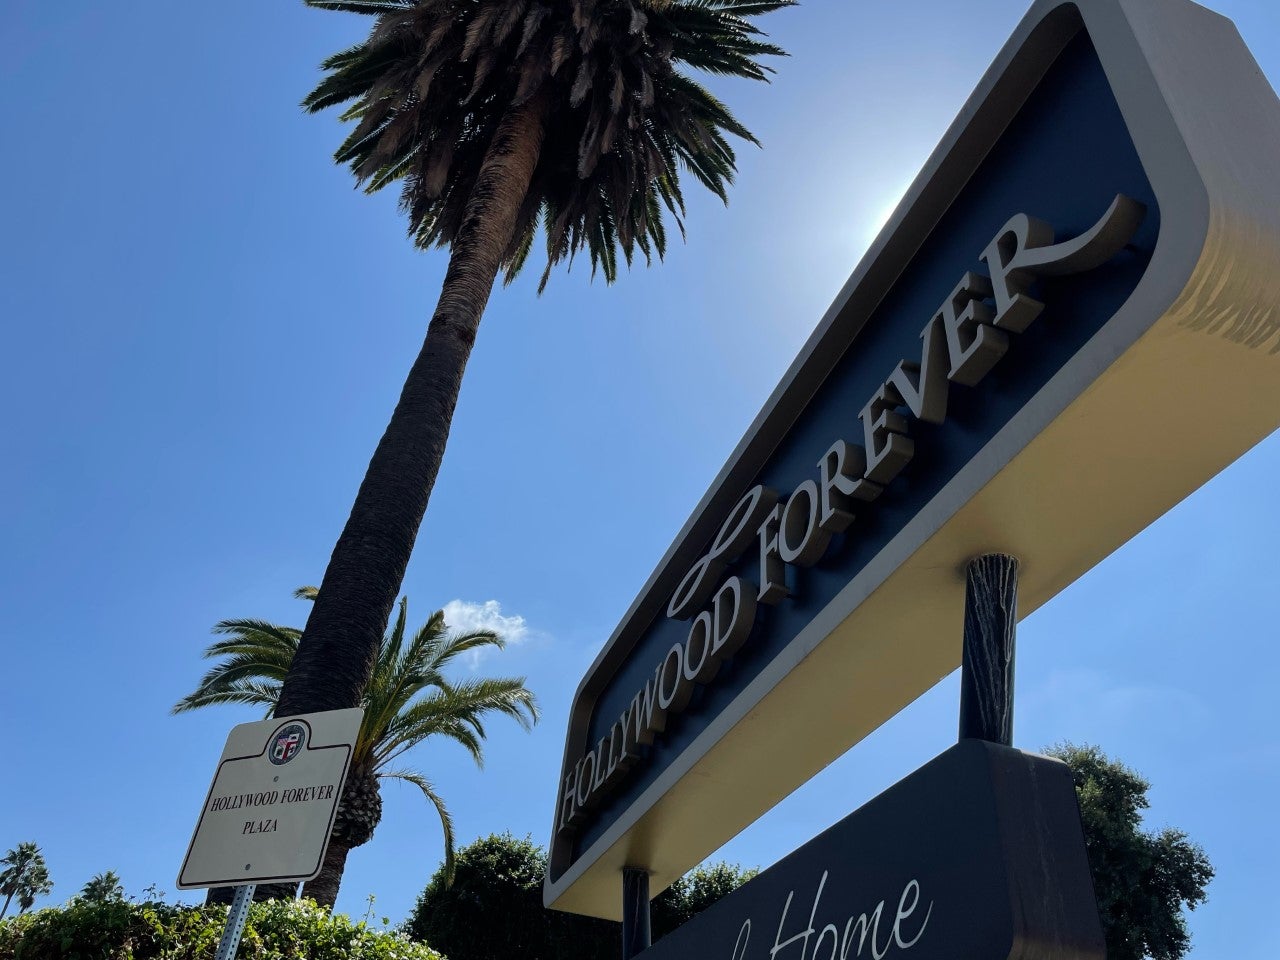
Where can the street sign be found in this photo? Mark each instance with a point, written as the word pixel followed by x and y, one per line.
pixel 1070 323
pixel 272 803
pixel 976 855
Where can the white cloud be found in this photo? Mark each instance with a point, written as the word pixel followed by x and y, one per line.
pixel 464 616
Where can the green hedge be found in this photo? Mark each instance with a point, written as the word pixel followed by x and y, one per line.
pixel 277 930
pixel 493 910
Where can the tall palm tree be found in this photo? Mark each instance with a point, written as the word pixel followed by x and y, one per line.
pixel 498 119
pixel 408 700
pixel 25 876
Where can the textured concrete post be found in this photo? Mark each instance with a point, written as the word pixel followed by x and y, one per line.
pixel 635 912
pixel 986 672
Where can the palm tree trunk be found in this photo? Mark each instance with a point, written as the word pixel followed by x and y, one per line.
pixel 219 896
pixel 275 891
pixel 324 888
pixel 340 642
pixel 7 900
pixel 264 891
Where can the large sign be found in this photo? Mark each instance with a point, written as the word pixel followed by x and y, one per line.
pixel 1070 323
pixel 272 802
pixel 978 855
pixel 961 343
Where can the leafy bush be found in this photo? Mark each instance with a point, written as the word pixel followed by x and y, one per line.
pixel 493 910
pixel 693 893
pixel 494 907
pixel 103 887
pixel 1142 879
pixel 119 930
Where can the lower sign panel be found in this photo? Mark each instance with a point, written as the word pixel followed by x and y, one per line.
pixel 979 854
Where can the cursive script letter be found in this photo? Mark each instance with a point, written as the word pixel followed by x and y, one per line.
pixel 905 911
pixel 805 934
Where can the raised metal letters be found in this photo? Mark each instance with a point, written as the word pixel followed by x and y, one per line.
pixel 961 343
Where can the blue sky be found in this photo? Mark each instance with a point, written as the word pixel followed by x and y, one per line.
pixel 206 328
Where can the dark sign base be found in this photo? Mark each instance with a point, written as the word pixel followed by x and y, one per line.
pixel 977 855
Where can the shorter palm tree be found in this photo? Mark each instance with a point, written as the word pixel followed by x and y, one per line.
pixel 103 888
pixel 408 700
pixel 24 876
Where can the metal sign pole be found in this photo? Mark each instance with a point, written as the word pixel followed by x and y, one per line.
pixel 236 918
pixel 986 672
pixel 635 912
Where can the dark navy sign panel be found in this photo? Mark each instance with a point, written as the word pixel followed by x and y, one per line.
pixel 1063 159
pixel 1111 182
pixel 978 855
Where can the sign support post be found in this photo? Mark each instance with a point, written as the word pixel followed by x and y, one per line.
pixel 237 914
pixel 270 810
pixel 636 935
pixel 986 671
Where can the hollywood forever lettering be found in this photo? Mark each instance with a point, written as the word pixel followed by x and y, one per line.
pixel 261 804
pixel 285 745
pixel 963 340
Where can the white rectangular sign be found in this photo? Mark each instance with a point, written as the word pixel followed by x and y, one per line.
pixel 272 802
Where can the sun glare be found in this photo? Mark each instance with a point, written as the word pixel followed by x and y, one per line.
pixel 877 222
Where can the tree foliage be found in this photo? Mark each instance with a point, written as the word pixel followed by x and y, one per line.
pixel 103 888
pixel 500 119
pixel 25 876
pixel 410 699
pixel 434 79
pixel 1142 879
pixel 277 930
pixel 494 908
pixel 693 893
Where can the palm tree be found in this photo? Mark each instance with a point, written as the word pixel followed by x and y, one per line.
pixel 103 888
pixel 24 876
pixel 408 700
pixel 498 119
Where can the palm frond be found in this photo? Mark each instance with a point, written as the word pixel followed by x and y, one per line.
pixel 429 86
pixel 409 700
pixel 456 644
pixel 374 7
pixel 405 736
pixel 446 820
pixel 254 693
pixel 472 698
pixel 258 631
